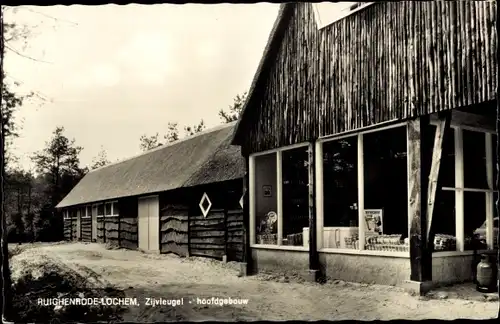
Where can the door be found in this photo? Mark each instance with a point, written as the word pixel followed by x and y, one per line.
pixel 94 223
pixel 148 223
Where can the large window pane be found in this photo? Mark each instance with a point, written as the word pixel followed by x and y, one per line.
pixel 444 222
pixel 266 208
pixel 100 210
pixel 386 189
pixel 475 220
pixel 447 168
pixel 107 209
pixel 340 187
pixel 474 145
pixel 295 195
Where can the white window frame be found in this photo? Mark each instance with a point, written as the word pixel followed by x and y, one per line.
pixel 361 194
pixel 85 214
pixel 460 188
pixel 279 199
pixel 66 214
pixel 113 214
pixel 327 13
pixel 97 210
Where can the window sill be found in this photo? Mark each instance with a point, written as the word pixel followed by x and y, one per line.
pixel 459 253
pixel 279 247
pixel 366 252
pixel 86 217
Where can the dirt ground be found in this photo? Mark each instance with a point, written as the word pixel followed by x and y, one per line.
pixel 269 297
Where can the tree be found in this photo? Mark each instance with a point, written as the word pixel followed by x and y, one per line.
pixel 191 130
pixel 59 164
pixel 100 160
pixel 172 133
pixel 149 142
pixel 234 111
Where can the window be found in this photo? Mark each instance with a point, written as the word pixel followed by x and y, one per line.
pixel 474 155
pixel 108 209
pixel 100 210
pixel 66 214
pixel 72 213
pixel 295 193
pixel 266 206
pixel 340 190
pixel 116 211
pixel 386 189
pixel 326 13
pixel 86 212
pixel 468 187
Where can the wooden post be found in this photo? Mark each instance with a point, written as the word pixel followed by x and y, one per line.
pixel 313 252
pixel 418 153
pixel 459 191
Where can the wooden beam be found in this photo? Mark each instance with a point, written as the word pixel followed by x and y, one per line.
pixel 418 153
pixel 313 251
pixel 443 126
pixel 467 119
pixel 361 193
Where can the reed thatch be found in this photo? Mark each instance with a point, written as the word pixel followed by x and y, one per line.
pixel 207 157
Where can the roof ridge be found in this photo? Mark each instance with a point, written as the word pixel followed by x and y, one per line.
pixel 184 139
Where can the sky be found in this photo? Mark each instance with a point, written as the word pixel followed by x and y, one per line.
pixel 112 73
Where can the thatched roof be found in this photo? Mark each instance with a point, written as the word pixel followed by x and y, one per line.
pixel 204 158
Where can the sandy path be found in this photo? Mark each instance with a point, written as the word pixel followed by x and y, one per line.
pixel 167 276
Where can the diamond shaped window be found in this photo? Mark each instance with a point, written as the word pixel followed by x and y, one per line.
pixel 205 204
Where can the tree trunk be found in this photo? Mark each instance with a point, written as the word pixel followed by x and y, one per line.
pixel 6 297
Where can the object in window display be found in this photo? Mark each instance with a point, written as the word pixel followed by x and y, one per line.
pixel 444 242
pixel 480 233
pixel 373 218
pixel 267 229
pixel 391 242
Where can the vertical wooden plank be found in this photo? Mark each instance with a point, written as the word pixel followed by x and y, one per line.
pixel 439 137
pixel 459 191
pixel 485 52
pixel 420 254
pixel 279 194
pixel 361 193
pixel 319 195
pixel 313 252
pixel 453 50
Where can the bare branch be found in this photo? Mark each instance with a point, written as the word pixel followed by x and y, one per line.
pixel 25 56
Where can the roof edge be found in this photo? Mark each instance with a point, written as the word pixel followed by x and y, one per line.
pixel 266 57
pixel 184 139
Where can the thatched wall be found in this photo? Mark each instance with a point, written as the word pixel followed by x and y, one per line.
pixel 174 223
pixel 101 233
pixel 68 226
pixel 86 229
pixel 186 232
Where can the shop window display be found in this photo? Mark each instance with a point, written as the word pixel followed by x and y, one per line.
pixel 295 193
pixel 266 217
pixel 386 190
pixel 340 189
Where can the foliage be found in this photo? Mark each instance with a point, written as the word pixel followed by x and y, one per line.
pixel 149 142
pixel 59 166
pixel 100 160
pixel 191 130
pixel 234 111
